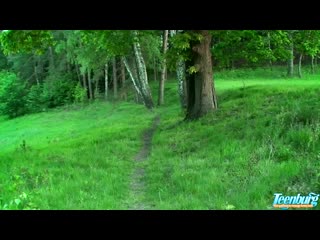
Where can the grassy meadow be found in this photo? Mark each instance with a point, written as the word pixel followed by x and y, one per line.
pixel 263 139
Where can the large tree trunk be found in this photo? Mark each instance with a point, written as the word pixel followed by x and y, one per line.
pixel 106 81
pixel 142 72
pixel 290 62
pixel 200 86
pixel 182 88
pixel 299 66
pixel 164 68
pixel 89 84
pixel 115 80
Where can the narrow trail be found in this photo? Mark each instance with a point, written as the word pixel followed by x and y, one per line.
pixel 137 179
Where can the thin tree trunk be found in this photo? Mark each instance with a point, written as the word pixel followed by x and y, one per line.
pixel 123 74
pixel 142 72
pixel 134 81
pixel 269 46
pixel 96 90
pixel 200 87
pixel 78 73
pixel 181 76
pixel 312 64
pixel 89 84
pixel 164 68
pixel 51 60
pixel 299 67
pixel 84 81
pixel 290 62
pixel 106 81
pixel 154 69
pixel 36 74
pixel 36 69
pixel 115 83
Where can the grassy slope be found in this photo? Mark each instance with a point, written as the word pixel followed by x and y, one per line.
pixel 74 159
pixel 262 140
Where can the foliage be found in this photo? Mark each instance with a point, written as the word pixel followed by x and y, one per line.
pixel 80 94
pixel 12 95
pixel 22 202
pixel 57 90
pixel 17 41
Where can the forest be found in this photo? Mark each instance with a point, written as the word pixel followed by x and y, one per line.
pixel 159 119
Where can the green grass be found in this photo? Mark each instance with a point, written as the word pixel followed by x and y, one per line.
pixel 263 139
pixel 74 158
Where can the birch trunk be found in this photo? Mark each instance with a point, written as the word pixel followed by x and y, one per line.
pixel 123 74
pixel 106 81
pixel 299 66
pixel 134 81
pixel 142 72
pixel 290 62
pixel 90 86
pixel 164 68
pixel 115 82
pixel 181 76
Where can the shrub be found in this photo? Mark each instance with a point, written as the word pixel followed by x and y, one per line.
pixel 56 90
pixel 79 94
pixel 12 95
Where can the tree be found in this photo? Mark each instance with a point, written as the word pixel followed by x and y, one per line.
pixel 200 87
pixel 164 68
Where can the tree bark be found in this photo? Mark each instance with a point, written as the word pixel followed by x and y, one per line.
pixel 133 79
pixel 164 68
pixel 36 69
pixel 115 82
pixel 51 60
pixel 200 87
pixel 78 73
pixel 290 62
pixel 106 81
pixel 155 69
pixel 96 90
pixel 299 67
pixel 123 74
pixel 142 72
pixel 89 84
pixel 36 74
pixel 181 76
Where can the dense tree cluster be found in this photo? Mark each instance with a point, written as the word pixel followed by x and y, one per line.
pixel 41 69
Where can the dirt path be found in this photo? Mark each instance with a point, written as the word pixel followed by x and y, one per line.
pixel 137 179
